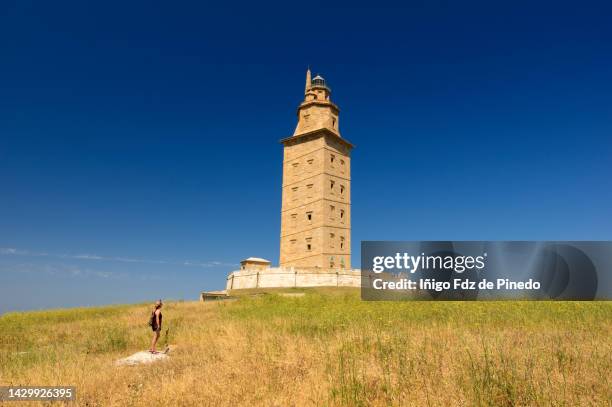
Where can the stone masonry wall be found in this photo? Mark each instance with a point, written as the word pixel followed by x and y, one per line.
pixel 293 277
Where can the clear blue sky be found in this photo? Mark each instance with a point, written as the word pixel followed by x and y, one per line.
pixel 139 153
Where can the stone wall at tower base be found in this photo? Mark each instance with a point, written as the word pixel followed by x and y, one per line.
pixel 288 277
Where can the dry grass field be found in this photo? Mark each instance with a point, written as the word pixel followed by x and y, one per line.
pixel 321 349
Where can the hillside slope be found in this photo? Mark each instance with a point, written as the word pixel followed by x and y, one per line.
pixel 321 349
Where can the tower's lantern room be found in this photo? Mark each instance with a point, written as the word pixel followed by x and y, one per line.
pixel 318 81
pixel 316 88
pixel 318 85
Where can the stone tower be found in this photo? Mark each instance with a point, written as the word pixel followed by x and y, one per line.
pixel 316 199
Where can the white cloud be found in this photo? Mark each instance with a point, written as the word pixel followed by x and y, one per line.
pixel 86 257
pixel 7 250
pixel 63 270
pixel 94 257
pixel 206 264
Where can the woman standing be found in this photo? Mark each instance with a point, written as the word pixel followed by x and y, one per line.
pixel 156 324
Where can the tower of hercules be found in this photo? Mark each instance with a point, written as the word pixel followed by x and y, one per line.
pixel 316 198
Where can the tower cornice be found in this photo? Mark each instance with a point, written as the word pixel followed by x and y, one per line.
pixel 322 132
pixel 325 103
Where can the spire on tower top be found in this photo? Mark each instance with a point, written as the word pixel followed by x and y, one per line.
pixel 308 80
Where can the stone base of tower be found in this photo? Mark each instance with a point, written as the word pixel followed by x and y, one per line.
pixel 292 277
pixel 330 261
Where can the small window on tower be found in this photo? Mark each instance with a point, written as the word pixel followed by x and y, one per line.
pixel 309 190
pixel 309 216
pixel 332 158
pixel 342 215
pixel 331 240
pixel 341 242
pixel 334 122
pixel 332 211
pixel 331 184
pixel 341 189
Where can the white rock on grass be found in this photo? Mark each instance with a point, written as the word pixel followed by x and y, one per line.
pixel 143 357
